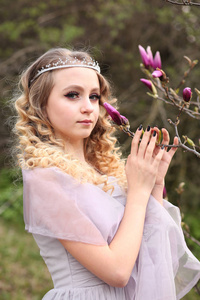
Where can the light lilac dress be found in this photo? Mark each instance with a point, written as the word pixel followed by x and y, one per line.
pixel 56 206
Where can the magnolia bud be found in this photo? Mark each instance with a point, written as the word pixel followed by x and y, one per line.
pixel 150 85
pixel 187 94
pixel 189 141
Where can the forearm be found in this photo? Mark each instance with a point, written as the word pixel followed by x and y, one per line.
pixel 157 192
pixel 126 243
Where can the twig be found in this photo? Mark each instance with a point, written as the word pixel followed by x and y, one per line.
pixel 182 145
pixel 197 289
pixel 189 236
pixel 130 133
pixel 193 114
pixel 5 206
pixel 172 101
pixel 186 73
pixel 184 2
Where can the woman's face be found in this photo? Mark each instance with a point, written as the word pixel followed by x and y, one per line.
pixel 73 104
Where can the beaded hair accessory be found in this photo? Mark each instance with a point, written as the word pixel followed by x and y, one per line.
pixel 69 63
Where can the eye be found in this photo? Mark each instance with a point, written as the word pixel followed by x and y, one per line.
pixel 72 95
pixel 95 97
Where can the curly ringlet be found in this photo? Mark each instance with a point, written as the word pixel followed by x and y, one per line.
pixel 37 145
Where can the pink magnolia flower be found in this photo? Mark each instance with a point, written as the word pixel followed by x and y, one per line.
pixel 187 94
pixel 115 115
pixel 147 58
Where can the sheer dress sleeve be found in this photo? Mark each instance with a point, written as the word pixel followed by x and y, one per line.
pixel 58 206
pixel 165 267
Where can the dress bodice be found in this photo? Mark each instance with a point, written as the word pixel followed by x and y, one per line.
pixel 70 279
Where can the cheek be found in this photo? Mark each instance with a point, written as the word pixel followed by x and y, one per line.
pixel 56 115
pixel 97 112
pixel 101 111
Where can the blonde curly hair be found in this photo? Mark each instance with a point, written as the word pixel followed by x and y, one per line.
pixel 37 145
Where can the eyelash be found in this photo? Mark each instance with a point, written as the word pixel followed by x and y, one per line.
pixel 71 95
pixel 76 94
pixel 98 97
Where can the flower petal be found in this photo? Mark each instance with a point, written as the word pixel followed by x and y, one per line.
pixel 157 61
pixel 115 115
pixel 147 82
pixel 144 56
pixel 150 56
pixel 124 120
pixel 157 74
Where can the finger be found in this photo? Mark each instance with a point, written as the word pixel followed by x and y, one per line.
pixel 158 133
pixel 136 140
pixel 166 138
pixel 158 157
pixel 150 151
pixel 173 150
pixel 144 142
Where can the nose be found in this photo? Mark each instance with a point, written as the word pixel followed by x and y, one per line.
pixel 86 106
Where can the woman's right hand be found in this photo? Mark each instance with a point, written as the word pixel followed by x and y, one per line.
pixel 142 163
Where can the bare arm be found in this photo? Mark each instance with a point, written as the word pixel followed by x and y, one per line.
pixel 114 263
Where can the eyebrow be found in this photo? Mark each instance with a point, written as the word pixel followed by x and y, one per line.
pixel 79 87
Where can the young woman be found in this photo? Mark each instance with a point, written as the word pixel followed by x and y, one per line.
pixel 102 227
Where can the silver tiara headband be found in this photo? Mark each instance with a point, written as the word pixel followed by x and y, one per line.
pixel 69 63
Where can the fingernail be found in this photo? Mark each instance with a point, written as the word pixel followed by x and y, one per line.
pixel 154 133
pixel 163 146
pixel 140 127
pixel 148 128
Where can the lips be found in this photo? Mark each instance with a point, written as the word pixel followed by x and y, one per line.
pixel 85 121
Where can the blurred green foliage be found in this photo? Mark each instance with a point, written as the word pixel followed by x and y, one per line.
pixel 23 273
pixel 11 204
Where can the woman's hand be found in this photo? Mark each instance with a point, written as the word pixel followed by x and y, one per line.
pixel 143 162
pixel 157 191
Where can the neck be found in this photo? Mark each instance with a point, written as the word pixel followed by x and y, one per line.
pixel 76 149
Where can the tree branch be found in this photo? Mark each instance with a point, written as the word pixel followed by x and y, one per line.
pixel 189 236
pixel 182 145
pixel 183 2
